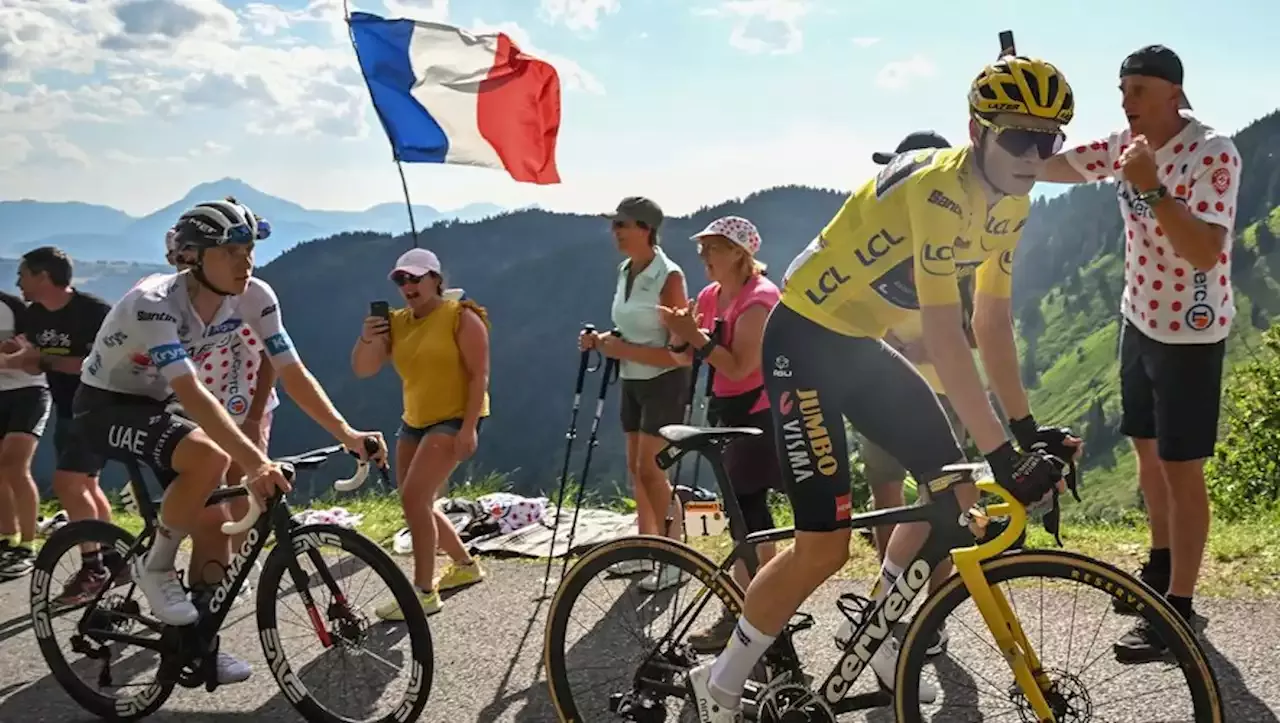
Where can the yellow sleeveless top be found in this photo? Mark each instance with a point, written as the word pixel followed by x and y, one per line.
pixel 426 356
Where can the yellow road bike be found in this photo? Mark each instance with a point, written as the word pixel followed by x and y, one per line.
pixel 596 676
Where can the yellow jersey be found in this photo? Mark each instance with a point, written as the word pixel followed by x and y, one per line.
pixel 425 354
pixel 904 240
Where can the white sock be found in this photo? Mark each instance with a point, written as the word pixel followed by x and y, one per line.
pixel 733 666
pixel 889 574
pixel 164 551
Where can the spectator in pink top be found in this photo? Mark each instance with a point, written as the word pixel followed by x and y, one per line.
pixel 741 297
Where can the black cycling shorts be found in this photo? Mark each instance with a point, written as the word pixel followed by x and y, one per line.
pixel 129 427
pixel 24 411
pixel 1170 393
pixel 74 454
pixel 814 377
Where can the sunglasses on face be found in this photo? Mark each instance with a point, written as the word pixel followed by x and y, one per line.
pixel 404 278
pixel 707 247
pixel 1016 140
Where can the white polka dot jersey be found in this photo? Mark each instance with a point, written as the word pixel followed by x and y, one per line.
pixel 1165 295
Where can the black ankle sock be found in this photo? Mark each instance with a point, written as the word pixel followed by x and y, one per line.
pixel 1181 604
pixel 1159 561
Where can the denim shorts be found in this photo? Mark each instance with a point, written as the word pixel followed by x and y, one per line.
pixel 447 426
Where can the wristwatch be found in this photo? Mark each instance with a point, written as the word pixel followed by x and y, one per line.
pixel 705 351
pixel 1155 194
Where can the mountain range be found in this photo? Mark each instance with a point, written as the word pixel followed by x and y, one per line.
pixel 100 233
pixel 541 275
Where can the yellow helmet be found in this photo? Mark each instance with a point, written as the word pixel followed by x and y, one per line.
pixel 1023 86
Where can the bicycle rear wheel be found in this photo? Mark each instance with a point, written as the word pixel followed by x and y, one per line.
pixel 343 628
pixel 121 690
pixel 1058 580
pixel 635 668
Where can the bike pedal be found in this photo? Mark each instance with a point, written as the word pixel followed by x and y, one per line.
pixel 799 622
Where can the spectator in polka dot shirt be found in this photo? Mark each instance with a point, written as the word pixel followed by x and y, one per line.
pixel 1176 180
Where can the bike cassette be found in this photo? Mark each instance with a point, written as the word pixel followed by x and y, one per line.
pixel 787 702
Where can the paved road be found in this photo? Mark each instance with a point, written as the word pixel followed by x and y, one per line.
pixel 488 660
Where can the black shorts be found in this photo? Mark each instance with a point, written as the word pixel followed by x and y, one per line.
pixel 818 376
pixel 1170 393
pixel 24 411
pixel 755 511
pixel 128 427
pixel 74 454
pixel 880 468
pixel 650 404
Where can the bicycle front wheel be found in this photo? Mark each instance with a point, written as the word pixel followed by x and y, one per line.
pixel 1062 603
pixel 365 669
pixel 622 629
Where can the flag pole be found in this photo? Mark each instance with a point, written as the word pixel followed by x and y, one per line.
pixel 404 184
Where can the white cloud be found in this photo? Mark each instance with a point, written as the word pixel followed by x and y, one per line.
pixel 763 26
pixel 62 149
pixel 900 73
pixel 436 11
pixel 573 77
pixel 163 23
pixel 14 150
pixel 577 14
pixel 865 42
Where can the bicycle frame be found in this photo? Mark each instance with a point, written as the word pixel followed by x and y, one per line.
pixel 950 535
pixel 274 517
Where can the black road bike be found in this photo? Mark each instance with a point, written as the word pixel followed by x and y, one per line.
pixel 1034 689
pixel 188 654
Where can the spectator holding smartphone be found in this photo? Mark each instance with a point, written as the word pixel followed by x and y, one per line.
pixel 440 349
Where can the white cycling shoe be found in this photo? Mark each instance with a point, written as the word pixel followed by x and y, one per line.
pixel 232 669
pixel 168 601
pixel 709 709
pixel 885 663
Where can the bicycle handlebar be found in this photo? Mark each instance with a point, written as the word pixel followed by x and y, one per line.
pixel 314 458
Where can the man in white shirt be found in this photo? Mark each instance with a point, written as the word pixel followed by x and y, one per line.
pixel 1177 181
pixel 24 411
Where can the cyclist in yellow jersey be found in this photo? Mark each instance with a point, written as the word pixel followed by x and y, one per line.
pixel 898 246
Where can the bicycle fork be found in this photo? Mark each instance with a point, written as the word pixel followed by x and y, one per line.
pixel 284 532
pixel 1004 624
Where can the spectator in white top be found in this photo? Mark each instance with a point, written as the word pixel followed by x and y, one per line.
pixel 1177 181
pixel 24 410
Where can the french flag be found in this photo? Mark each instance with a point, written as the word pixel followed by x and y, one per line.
pixel 445 95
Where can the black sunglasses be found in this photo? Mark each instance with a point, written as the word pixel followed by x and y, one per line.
pixel 1017 141
pixel 403 278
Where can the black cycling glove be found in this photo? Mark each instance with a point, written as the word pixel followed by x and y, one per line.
pixel 1050 440
pixel 1029 477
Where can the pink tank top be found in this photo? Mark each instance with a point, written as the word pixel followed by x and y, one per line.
pixel 757 291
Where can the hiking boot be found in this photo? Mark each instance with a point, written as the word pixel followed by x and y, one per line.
pixel 456 576
pixel 715 636
pixel 82 587
pixel 391 612
pixel 630 567
pixel 17 561
pixel 1142 645
pixel 662 578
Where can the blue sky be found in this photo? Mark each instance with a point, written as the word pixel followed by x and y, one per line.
pixel 688 101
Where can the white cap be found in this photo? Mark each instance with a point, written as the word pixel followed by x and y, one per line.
pixel 416 262
pixel 735 228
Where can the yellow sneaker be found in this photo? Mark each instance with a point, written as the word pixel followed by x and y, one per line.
pixel 456 575
pixel 391 611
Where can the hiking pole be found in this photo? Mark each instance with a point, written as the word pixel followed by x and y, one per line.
pixel 584 361
pixel 610 369
pixel 675 476
pixel 706 396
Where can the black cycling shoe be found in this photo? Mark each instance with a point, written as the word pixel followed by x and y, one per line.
pixel 1141 645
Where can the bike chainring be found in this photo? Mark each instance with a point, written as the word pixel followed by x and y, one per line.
pixel 787 702
pixel 1067 697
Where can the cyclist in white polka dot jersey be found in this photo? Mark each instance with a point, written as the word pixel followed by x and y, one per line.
pixel 1177 181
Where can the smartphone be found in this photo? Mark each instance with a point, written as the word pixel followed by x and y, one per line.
pixel 380 308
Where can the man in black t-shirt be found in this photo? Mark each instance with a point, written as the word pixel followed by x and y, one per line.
pixel 24 410
pixel 62 323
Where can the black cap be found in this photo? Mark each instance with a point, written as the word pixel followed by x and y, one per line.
pixel 1155 61
pixel 913 142
pixel 640 209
